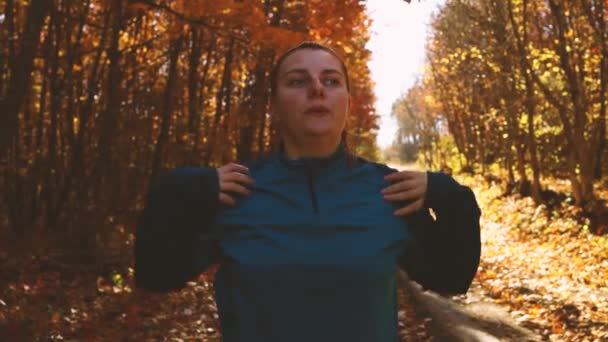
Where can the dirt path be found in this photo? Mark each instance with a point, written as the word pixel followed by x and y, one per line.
pixel 540 268
pixel 551 275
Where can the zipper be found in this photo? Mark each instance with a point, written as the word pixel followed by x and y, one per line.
pixel 311 190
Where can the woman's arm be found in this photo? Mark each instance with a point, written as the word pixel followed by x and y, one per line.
pixel 173 241
pixel 450 244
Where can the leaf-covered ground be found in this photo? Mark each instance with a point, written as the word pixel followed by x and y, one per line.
pixel 541 264
pixel 49 300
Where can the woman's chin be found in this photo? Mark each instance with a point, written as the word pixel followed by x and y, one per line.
pixel 317 130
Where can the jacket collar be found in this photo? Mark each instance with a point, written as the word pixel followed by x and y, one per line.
pixel 334 159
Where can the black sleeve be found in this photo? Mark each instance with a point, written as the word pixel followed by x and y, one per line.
pixel 173 238
pixel 449 246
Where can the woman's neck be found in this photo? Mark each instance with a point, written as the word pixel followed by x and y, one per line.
pixel 311 148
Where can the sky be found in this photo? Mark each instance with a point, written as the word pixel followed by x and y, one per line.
pixel 398 34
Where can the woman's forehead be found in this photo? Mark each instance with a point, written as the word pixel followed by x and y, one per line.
pixel 310 60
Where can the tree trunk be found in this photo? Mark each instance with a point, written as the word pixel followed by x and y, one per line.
pixel 583 148
pixel 113 91
pixel 68 85
pixel 222 100
pixel 206 126
pixel 21 70
pixel 534 163
pixel 102 158
pixel 52 174
pixel 194 113
pixel 255 112
pixel 524 183
pixel 37 142
pixel 522 42
pixel 5 63
pixel 514 132
pixel 193 84
pixel 167 108
pixel 76 166
pixel 595 15
pixel 509 166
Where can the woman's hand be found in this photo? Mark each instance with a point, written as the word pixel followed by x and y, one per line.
pixel 233 180
pixel 407 186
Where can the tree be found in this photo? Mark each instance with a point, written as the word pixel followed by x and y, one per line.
pixel 102 96
pixel 527 91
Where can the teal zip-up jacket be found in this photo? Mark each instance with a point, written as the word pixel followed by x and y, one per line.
pixel 312 253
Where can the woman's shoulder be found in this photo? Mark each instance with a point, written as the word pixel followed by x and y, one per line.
pixel 373 165
pixel 184 181
pixel 184 173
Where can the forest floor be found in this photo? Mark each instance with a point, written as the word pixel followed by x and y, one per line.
pixel 541 264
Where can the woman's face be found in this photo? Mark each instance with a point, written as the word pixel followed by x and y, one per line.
pixel 311 96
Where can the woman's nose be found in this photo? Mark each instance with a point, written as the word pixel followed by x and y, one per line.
pixel 316 88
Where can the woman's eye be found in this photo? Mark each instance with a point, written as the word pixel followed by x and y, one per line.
pixel 332 81
pixel 294 82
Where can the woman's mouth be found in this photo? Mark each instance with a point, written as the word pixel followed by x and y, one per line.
pixel 317 110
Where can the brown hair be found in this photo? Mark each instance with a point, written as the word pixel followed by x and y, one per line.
pixel 306 45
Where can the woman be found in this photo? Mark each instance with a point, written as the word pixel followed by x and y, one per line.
pixel 309 238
